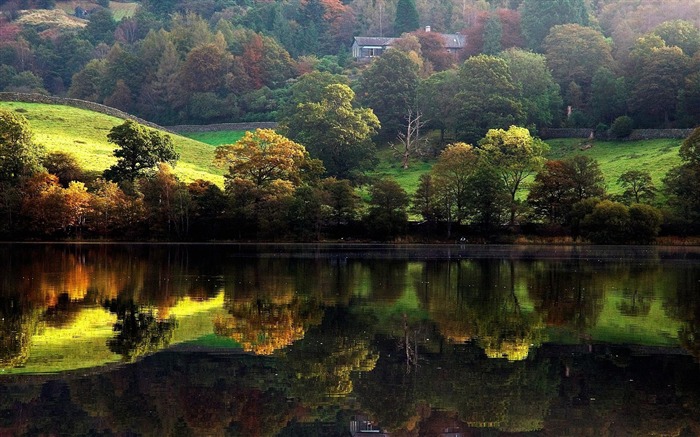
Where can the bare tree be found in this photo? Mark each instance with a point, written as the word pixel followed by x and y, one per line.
pixel 411 144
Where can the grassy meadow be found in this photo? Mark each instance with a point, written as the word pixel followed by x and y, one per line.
pixel 84 134
pixel 216 138
pixel 617 157
pixel 614 157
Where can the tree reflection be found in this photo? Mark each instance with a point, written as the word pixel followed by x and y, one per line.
pixel 139 331
pixel 264 325
pixel 18 323
pixel 322 364
pixel 478 300
pixel 567 293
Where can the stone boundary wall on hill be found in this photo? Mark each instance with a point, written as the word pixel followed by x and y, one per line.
pixel 223 126
pixel 76 103
pixel 637 134
pixel 652 134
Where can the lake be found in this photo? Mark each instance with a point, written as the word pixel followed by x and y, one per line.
pixel 337 340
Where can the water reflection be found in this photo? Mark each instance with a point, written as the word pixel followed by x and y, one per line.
pixel 255 340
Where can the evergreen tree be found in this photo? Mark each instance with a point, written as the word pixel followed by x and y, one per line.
pixel 493 32
pixel 406 17
pixel 539 16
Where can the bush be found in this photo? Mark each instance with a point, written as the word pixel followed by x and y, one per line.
pixel 645 223
pixel 608 223
pixel 601 130
pixel 622 127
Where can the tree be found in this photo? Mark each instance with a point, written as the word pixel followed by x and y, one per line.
pixel 561 184
pixel 451 174
pixel 433 51
pixel 388 206
pixel 64 165
pixel 167 202
pixel 552 192
pixel 101 27
pixel 139 149
pixel 406 17
pixel 263 157
pixel 339 196
pixel 609 96
pixel 112 212
pixel 206 67
pixel 308 88
pixel 264 170
pixel 575 53
pixel 539 93
pixel 19 155
pixel 514 154
pixel 657 83
pixel 388 86
pixel 425 200
pixel 488 198
pixel 682 183
pixel 435 98
pixel 411 144
pixel 638 186
pixel 645 223
pixel 335 132
pixel 488 97
pixel 539 16
pixel 493 33
pixel 683 34
pixel 587 177
pixel 608 223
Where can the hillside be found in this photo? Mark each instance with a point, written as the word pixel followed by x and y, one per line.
pixel 84 134
pixel 614 157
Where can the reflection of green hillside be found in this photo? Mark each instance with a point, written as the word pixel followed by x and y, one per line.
pixel 82 344
pixel 652 328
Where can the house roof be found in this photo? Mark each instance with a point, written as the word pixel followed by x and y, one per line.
pixel 374 40
pixel 451 40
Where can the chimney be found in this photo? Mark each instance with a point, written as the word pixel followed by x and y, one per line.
pixel 427 28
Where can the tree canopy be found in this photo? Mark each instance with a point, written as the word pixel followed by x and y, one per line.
pixel 139 149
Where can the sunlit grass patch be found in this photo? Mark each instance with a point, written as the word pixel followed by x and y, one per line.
pixel 216 138
pixel 84 134
pixel 616 157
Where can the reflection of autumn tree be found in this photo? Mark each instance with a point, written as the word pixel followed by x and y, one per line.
pixel 388 393
pixel 264 325
pixel 329 354
pixel 568 293
pixel 139 332
pixel 479 300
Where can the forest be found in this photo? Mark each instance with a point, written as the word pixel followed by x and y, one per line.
pixel 608 66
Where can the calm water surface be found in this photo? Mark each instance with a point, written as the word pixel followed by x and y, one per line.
pixel 235 340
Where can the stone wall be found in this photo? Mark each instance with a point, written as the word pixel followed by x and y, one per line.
pixel 652 134
pixel 223 126
pixel 637 134
pixel 76 103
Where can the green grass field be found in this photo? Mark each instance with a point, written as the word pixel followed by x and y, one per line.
pixel 84 134
pixel 617 157
pixel 216 138
pixel 614 157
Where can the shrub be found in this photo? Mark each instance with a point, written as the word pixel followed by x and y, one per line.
pixel 645 223
pixel 608 223
pixel 622 126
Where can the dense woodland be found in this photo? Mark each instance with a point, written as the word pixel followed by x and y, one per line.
pixel 606 65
